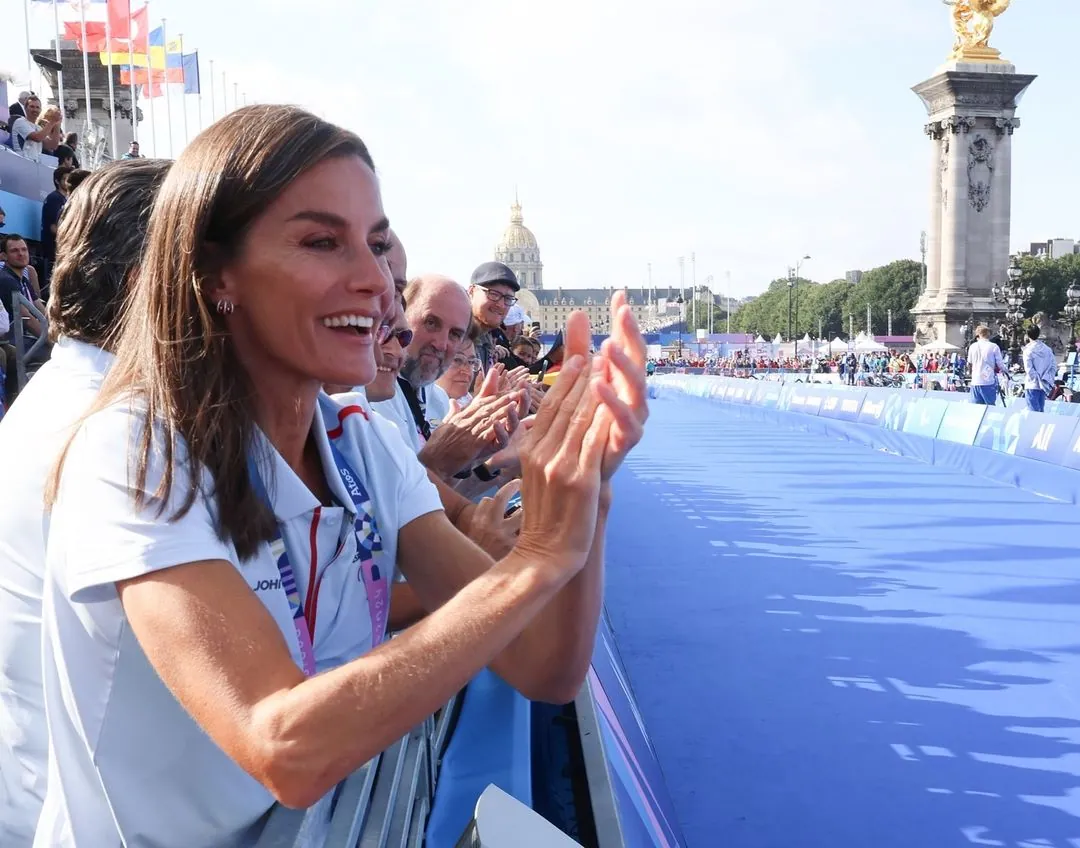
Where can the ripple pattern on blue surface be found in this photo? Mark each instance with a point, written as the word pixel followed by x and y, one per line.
pixel 833 646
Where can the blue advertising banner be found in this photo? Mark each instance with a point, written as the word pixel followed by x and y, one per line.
pixel 815 396
pixel 961 423
pixel 1000 428
pixel 1071 457
pixel 924 416
pixel 842 404
pixel 897 405
pixel 1046 437
pixel 872 410
pixel 796 401
pixel 769 395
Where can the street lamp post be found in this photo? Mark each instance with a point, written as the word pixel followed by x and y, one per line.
pixel 969 330
pixel 706 284
pixel 791 287
pixel 682 319
pixel 1013 294
pixel 1072 312
pixel 798 270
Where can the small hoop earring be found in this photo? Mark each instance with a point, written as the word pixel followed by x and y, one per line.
pixel 225 306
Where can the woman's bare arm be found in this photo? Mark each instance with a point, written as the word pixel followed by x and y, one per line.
pixel 219 651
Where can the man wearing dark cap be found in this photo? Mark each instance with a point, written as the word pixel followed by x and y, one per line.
pixel 493 290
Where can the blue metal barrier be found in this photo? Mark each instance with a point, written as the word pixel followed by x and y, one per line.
pixel 1036 451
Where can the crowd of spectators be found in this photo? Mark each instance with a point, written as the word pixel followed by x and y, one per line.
pixel 877 362
pixel 259 447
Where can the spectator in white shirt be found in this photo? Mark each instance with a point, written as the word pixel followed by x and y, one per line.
pixel 214 623
pixel 100 242
pixel 26 136
pixel 984 358
pixel 484 522
pixel 1040 364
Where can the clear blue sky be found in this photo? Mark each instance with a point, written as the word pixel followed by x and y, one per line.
pixel 748 132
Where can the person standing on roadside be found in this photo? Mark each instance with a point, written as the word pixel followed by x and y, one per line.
pixel 986 363
pixel 1040 365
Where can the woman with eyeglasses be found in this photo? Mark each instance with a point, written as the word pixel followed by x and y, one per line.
pixel 453 390
pixel 223 535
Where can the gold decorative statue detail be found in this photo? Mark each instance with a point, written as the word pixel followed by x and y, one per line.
pixel 973 21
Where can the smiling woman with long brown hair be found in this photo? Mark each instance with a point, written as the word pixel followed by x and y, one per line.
pixel 224 536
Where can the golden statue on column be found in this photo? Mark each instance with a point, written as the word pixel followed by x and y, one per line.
pixel 973 21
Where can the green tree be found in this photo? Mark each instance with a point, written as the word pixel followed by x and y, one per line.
pixel 824 303
pixel 767 314
pixel 1050 279
pixel 894 286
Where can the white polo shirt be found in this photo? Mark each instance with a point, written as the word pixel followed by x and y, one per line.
pixel 129 765
pixel 397 410
pixel 32 433
pixel 438 405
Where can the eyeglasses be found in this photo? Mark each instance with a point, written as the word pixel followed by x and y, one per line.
pixel 470 362
pixel 496 296
pixel 386 332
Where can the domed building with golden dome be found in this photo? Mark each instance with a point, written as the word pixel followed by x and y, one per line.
pixel 551 307
pixel 519 251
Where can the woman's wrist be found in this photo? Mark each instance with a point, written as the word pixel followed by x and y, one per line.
pixel 606 496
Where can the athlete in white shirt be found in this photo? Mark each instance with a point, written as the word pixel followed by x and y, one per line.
pixel 984 359
pixel 99 244
pixel 223 538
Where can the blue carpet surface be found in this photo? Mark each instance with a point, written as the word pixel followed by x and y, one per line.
pixel 833 646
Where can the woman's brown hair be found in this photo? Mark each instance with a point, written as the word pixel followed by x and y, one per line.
pixel 98 246
pixel 174 352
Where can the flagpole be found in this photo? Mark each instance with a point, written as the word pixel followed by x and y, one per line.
pixel 131 78
pixel 213 102
pixel 108 70
pixel 224 95
pixel 148 89
pixel 235 95
pixel 86 71
pixel 168 99
pixel 29 60
pixel 198 70
pixel 59 73
pixel 183 95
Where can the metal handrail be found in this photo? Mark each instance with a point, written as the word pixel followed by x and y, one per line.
pixel 386 802
pixel 21 358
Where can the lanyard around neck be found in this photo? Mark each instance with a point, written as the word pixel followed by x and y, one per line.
pixel 368 543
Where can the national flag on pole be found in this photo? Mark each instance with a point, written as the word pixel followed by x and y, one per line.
pixel 151 53
pixel 182 69
pixel 191 73
pixel 97 35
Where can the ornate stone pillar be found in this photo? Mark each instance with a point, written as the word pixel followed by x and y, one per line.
pixel 972 108
pixel 938 167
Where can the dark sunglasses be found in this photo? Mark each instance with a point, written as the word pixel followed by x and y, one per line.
pixel 404 336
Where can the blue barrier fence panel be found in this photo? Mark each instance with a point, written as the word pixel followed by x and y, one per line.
pixel 961 422
pixel 1046 437
pixel 1038 452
